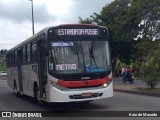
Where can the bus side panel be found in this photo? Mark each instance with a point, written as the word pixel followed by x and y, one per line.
pixel 34 78
pixel 9 78
pixel 12 74
pixel 29 76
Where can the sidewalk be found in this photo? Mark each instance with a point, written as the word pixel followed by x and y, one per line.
pixel 138 87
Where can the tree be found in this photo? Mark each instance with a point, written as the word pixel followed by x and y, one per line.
pixel 113 16
pixel 150 63
pixel 3 58
pixel 147 56
pixel 129 22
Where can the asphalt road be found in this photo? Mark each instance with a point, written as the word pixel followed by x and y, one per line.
pixel 120 102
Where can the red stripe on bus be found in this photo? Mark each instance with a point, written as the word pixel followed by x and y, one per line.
pixel 83 83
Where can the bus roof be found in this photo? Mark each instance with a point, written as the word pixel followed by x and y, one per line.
pixel 30 39
pixel 44 31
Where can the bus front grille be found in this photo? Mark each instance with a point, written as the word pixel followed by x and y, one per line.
pixel 74 78
pixel 79 96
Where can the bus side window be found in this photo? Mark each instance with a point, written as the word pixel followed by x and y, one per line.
pixel 10 59
pixel 34 52
pixel 13 58
pixel 24 54
pixel 16 58
pixel 28 53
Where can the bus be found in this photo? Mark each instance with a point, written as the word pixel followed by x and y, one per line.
pixel 65 63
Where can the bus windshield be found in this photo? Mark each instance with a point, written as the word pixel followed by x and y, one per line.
pixel 67 57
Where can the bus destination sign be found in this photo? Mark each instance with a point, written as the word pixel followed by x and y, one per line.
pixel 78 32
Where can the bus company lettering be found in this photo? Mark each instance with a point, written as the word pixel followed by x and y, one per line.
pixel 77 31
pixel 66 67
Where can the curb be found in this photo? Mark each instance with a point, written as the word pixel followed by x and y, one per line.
pixel 137 92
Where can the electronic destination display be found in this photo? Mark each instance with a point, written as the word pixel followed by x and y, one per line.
pixel 77 31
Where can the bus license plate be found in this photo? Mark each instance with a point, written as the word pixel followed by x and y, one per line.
pixel 86 94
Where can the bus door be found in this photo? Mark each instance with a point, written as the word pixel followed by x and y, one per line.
pixel 42 69
pixel 19 63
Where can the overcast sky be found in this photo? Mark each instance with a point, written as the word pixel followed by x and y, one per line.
pixel 15 16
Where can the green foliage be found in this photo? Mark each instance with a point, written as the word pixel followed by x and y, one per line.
pixel 120 64
pixel 136 73
pixel 149 62
pixel 2 67
pixel 3 59
pixel 87 21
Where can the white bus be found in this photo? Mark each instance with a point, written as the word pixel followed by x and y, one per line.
pixel 66 63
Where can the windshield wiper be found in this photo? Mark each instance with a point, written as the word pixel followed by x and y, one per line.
pixel 91 53
pixel 74 49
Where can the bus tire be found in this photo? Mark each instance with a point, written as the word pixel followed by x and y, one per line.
pixel 15 89
pixel 37 97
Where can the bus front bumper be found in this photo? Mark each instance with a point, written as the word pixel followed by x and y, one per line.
pixel 57 95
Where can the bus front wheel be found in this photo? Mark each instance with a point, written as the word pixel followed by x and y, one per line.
pixel 38 97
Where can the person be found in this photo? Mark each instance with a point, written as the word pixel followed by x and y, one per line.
pixel 123 72
pixel 127 71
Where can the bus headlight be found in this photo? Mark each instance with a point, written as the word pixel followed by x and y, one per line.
pixel 107 84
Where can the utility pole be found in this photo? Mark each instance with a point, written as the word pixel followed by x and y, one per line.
pixel 32 16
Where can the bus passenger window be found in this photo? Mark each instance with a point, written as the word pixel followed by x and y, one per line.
pixel 16 58
pixel 33 52
pixel 28 53
pixel 13 58
pixel 24 54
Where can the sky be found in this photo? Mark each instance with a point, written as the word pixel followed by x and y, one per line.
pixel 16 17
